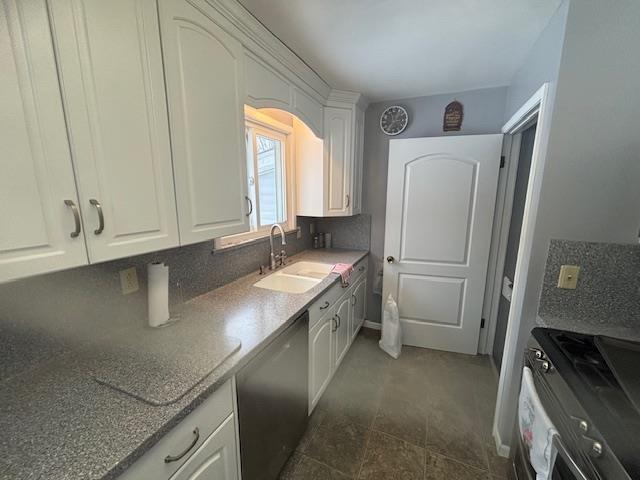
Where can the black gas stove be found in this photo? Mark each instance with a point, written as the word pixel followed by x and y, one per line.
pixel 590 387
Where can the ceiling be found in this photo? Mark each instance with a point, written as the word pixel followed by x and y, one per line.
pixel 391 49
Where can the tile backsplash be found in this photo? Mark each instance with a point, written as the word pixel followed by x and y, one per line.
pixel 608 290
pixel 42 316
pixel 347 232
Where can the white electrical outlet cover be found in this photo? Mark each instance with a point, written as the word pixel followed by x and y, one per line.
pixel 129 280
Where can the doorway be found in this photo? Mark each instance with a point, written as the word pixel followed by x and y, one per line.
pixel 441 194
pixel 527 140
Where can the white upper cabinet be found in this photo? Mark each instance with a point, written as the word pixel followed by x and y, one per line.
pixel 338 152
pixel 308 110
pixel 112 80
pixel 265 87
pixel 340 167
pixel 38 232
pixel 205 82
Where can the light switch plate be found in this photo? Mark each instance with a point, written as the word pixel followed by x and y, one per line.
pixel 568 277
pixel 129 280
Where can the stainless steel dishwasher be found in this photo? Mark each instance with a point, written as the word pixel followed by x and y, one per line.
pixel 273 402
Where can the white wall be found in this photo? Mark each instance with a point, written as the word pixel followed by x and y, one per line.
pixel 591 182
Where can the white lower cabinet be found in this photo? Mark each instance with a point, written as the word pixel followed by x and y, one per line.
pixel 216 459
pixel 358 306
pixel 320 357
pixel 334 321
pixel 342 329
pixel 202 446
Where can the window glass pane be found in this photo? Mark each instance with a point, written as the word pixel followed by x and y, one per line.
pixel 270 180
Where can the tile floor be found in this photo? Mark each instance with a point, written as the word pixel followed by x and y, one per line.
pixel 425 416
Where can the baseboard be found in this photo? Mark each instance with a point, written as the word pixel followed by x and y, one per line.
pixel 372 325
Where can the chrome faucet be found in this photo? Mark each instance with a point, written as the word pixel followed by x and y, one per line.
pixel 273 258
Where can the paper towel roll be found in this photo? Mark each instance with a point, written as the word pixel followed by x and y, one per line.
pixel 158 290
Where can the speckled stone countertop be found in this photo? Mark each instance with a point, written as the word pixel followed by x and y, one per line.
pixel 58 423
pixel 608 327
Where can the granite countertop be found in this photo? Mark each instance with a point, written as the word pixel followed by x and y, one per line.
pixel 607 327
pixel 57 422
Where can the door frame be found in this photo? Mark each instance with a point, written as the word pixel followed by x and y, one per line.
pixel 535 109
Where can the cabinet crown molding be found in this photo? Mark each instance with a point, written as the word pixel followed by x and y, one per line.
pixel 337 97
pixel 255 34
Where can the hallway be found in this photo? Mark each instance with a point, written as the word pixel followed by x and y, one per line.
pixel 425 416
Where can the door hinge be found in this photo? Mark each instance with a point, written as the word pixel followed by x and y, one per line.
pixel 482 323
pixel 502 161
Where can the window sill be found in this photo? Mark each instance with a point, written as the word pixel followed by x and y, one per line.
pixel 262 237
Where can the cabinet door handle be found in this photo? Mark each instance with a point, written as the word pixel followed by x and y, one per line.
pixel 175 458
pixel 96 204
pixel 348 200
pixel 355 300
pixel 345 285
pixel 361 269
pixel 250 206
pixel 339 321
pixel 335 324
pixel 325 306
pixel 76 218
pixel 390 259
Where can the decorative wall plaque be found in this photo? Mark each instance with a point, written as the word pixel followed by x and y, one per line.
pixel 453 115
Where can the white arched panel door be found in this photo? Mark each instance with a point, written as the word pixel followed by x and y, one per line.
pixel 441 196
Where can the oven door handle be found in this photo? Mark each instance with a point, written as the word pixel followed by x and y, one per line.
pixel 566 456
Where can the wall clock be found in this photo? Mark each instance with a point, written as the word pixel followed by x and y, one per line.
pixel 394 120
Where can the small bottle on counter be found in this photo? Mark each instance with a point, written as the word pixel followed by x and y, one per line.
pixel 327 240
pixel 316 241
pixel 321 240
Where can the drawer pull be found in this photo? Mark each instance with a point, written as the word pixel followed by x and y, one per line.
pixel 361 269
pixel 171 458
pixel 325 306
pixel 345 285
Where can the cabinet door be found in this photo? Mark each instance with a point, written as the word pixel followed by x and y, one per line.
pixel 205 81
pixel 358 159
pixel 342 335
pixel 216 459
pixel 113 87
pixel 358 304
pixel 320 357
pixel 37 174
pixel 337 165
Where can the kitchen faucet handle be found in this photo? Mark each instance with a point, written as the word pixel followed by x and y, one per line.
pixel 283 257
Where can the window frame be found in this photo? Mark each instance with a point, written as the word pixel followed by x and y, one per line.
pixel 255 121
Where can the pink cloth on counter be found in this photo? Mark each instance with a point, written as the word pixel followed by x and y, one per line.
pixel 344 269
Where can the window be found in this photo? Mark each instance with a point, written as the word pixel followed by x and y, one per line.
pixel 266 175
pixel 269 177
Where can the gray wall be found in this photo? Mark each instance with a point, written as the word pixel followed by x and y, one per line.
pixel 483 113
pixel 592 172
pixel 541 64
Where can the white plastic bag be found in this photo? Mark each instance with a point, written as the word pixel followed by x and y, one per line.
pixel 391 341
